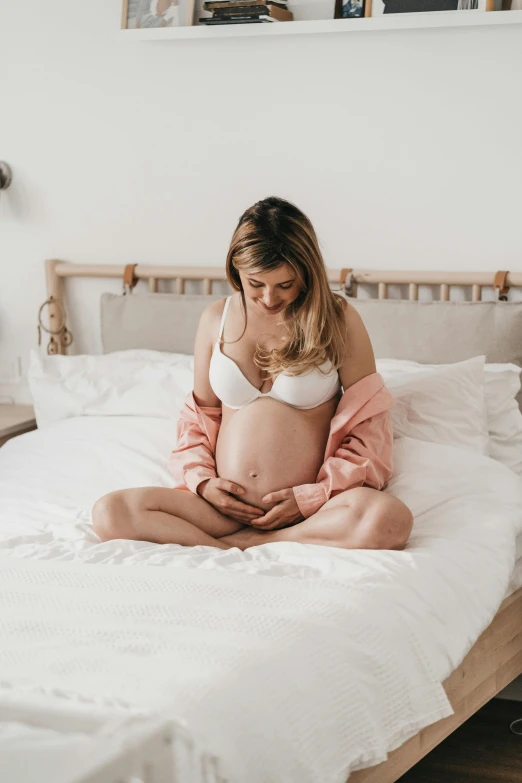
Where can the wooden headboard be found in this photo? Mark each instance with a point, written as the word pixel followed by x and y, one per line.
pixel 346 279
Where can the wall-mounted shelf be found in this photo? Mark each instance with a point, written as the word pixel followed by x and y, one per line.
pixel 386 22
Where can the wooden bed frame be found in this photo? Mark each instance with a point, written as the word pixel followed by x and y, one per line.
pixel 496 657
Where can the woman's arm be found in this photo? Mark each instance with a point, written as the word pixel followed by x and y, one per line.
pixel 361 448
pixel 360 359
pixel 192 461
pixel 364 457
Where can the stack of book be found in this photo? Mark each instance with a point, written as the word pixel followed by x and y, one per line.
pixel 246 11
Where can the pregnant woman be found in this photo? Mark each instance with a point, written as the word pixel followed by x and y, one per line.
pixel 286 435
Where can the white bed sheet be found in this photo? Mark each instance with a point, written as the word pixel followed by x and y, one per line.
pixel 516 577
pixel 366 638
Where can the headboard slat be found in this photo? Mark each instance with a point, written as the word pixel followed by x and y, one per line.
pixel 414 292
pixel 444 292
pixel 476 293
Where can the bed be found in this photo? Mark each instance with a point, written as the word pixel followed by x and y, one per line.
pixel 246 657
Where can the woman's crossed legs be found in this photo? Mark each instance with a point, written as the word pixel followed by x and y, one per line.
pixel 359 518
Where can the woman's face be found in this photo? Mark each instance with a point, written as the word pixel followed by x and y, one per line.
pixel 270 292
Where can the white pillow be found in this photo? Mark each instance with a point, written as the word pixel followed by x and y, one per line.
pixel 502 384
pixel 124 383
pixel 504 415
pixel 446 406
pixel 441 404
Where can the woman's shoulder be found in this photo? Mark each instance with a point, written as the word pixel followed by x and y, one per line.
pixel 210 318
pixel 352 319
pixel 214 310
pixel 360 358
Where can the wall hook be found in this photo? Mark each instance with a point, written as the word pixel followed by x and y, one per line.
pixel 5 175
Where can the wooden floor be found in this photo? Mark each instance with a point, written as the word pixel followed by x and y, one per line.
pixel 482 750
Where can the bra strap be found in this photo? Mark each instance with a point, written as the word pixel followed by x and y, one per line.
pixel 222 324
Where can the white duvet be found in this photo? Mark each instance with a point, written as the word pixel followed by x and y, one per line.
pixel 285 663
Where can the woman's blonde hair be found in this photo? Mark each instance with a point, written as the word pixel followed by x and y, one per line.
pixel 273 232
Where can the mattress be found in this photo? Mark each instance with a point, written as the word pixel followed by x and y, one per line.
pixel 516 577
pixel 337 657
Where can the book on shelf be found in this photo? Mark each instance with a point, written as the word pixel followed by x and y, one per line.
pixel 244 18
pixel 211 5
pixel 257 20
pixel 245 11
pixel 282 15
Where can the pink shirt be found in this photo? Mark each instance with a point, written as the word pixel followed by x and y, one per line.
pixel 358 451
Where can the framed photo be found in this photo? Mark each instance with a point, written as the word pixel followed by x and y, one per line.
pixel 348 9
pixel 143 14
pixel 380 7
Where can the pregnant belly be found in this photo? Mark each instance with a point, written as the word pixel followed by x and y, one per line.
pixel 267 446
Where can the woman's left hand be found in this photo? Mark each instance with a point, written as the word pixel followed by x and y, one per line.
pixel 285 512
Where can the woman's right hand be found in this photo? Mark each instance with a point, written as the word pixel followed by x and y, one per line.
pixel 218 492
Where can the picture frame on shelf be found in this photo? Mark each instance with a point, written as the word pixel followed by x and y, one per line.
pixel 380 7
pixel 349 9
pixel 147 14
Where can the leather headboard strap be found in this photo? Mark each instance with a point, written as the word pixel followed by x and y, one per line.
pixel 342 278
pixel 500 284
pixel 129 279
pixel 346 282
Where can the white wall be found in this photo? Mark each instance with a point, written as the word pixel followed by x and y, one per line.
pixel 403 147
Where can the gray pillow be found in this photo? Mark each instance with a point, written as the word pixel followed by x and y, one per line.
pixel 158 322
pixel 427 332
pixel 443 332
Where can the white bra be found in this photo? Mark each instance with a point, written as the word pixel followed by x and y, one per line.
pixel 305 391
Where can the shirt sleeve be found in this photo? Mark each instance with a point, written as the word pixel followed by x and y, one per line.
pixel 193 461
pixel 363 457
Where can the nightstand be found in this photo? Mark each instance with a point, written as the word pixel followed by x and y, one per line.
pixel 15 420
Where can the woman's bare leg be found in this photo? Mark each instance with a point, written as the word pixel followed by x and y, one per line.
pixel 162 516
pixel 360 518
